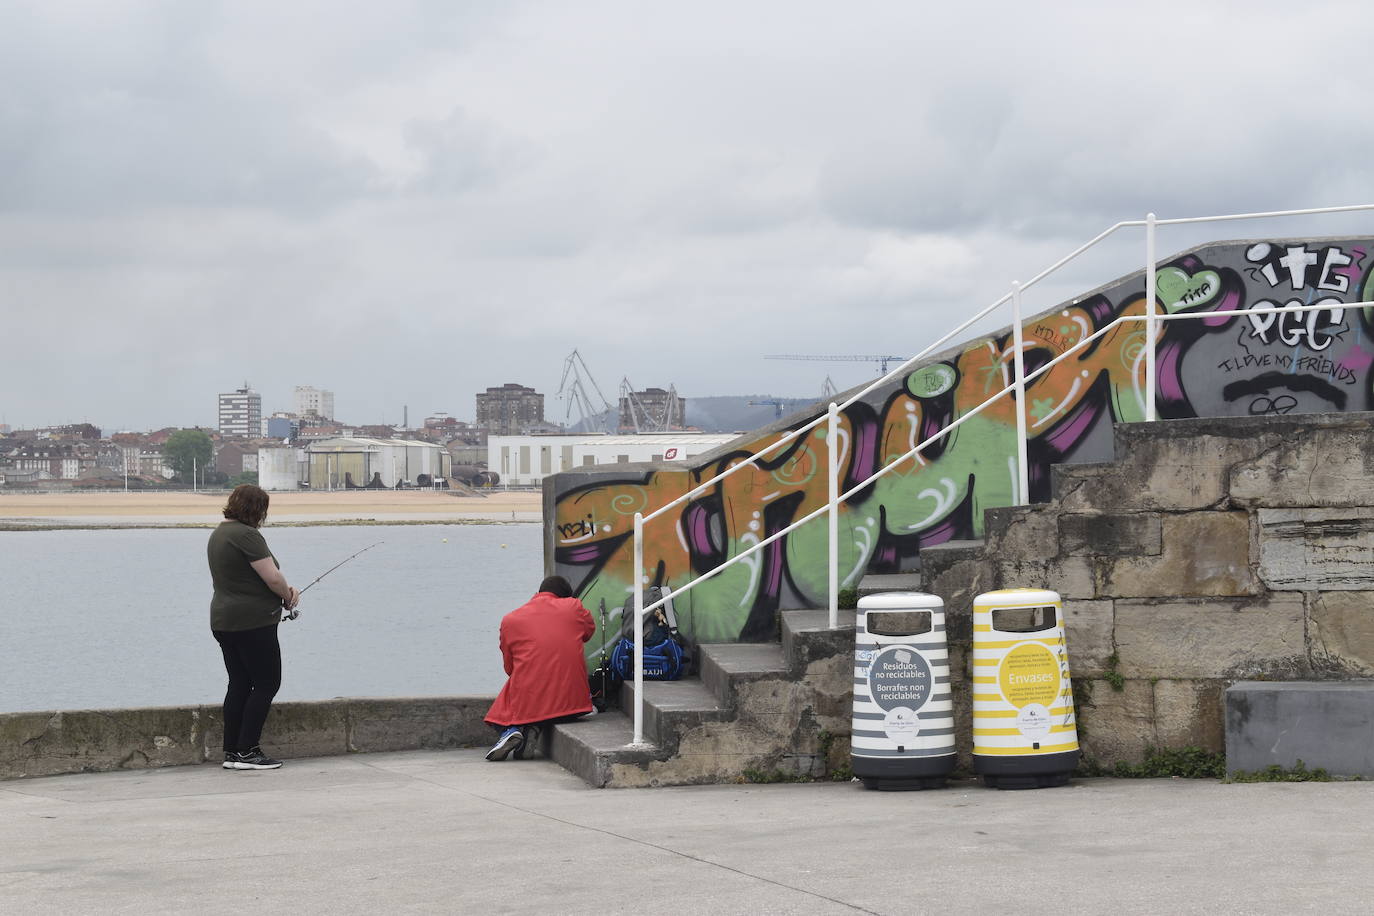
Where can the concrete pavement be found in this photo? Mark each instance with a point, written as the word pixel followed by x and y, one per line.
pixel 448 832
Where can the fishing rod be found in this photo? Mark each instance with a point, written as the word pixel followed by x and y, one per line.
pixel 293 613
pixel 603 663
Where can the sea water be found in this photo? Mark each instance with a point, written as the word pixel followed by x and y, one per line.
pixel 121 618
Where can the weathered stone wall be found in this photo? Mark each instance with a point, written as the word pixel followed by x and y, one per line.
pixel 93 740
pixel 1211 551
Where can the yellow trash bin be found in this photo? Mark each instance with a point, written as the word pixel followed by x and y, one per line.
pixel 902 736
pixel 1025 735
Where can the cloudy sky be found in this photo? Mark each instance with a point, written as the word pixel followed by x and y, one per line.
pixel 407 202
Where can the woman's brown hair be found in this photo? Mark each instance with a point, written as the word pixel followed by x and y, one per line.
pixel 247 504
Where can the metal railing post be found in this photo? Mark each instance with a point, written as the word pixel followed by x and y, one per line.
pixel 832 443
pixel 639 628
pixel 1151 322
pixel 1018 358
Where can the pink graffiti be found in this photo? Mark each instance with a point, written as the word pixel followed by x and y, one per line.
pixel 1352 270
pixel 1357 360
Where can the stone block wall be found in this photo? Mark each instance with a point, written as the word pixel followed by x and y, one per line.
pixel 95 740
pixel 1210 551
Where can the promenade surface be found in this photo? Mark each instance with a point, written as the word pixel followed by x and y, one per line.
pixel 448 832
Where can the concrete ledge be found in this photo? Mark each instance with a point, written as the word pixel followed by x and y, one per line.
pixel 599 751
pixel 673 707
pixel 807 637
pixel 874 583
pixel 95 740
pixel 724 664
pixel 1323 724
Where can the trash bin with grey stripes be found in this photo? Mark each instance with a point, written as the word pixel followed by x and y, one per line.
pixel 903 728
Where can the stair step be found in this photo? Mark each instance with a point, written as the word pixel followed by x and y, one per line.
pixel 671 707
pixel 1065 478
pixel 590 748
pixel 889 582
pixel 807 636
pixel 814 619
pixel 724 664
pixel 946 571
pixel 948 548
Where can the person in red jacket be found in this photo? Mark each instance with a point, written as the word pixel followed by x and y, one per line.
pixel 546 672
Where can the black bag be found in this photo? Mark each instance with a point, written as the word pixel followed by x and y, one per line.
pixel 604 683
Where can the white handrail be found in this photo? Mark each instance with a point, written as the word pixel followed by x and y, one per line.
pixel 796 433
pixel 973 412
pixel 832 453
pixel 1018 357
pixel 1018 385
pixel 1151 311
pixel 1078 251
pixel 889 376
pixel 1311 211
pixel 1049 365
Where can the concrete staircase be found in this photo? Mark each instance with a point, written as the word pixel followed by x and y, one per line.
pixel 758 711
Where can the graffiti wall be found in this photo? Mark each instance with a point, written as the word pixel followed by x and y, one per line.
pixel 1220 364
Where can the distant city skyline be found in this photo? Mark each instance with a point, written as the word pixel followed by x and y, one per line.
pixel 714 414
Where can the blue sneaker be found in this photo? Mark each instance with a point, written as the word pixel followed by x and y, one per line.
pixel 511 739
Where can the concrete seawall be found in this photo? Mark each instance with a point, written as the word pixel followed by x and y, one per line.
pixel 95 740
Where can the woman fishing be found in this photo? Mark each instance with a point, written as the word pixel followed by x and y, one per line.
pixel 250 594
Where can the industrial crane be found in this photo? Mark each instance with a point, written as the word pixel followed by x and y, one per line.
pixel 642 417
pixel 575 367
pixel 882 361
pixel 774 403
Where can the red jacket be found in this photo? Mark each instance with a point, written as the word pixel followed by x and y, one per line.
pixel 541 644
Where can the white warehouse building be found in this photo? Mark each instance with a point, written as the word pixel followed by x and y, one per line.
pixel 348 462
pixel 524 461
pixel 281 468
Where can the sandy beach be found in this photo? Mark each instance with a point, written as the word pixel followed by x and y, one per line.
pixel 392 506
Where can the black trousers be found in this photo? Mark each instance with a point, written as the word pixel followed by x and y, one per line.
pixel 252 659
pixel 543 723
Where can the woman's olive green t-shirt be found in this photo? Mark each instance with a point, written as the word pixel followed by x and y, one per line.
pixel 242 601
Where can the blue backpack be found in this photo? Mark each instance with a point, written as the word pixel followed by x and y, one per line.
pixel 666 656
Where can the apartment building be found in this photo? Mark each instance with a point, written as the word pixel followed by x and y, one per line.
pixel 240 413
pixel 314 402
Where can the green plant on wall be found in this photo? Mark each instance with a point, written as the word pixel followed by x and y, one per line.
pixel 1112 675
pixel 1275 773
pixel 1162 763
pixel 1196 763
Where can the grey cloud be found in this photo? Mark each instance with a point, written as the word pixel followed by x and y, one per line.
pixel 1096 117
pixel 171 104
pixel 117 149
pixel 739 194
pixel 461 152
pixel 408 202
